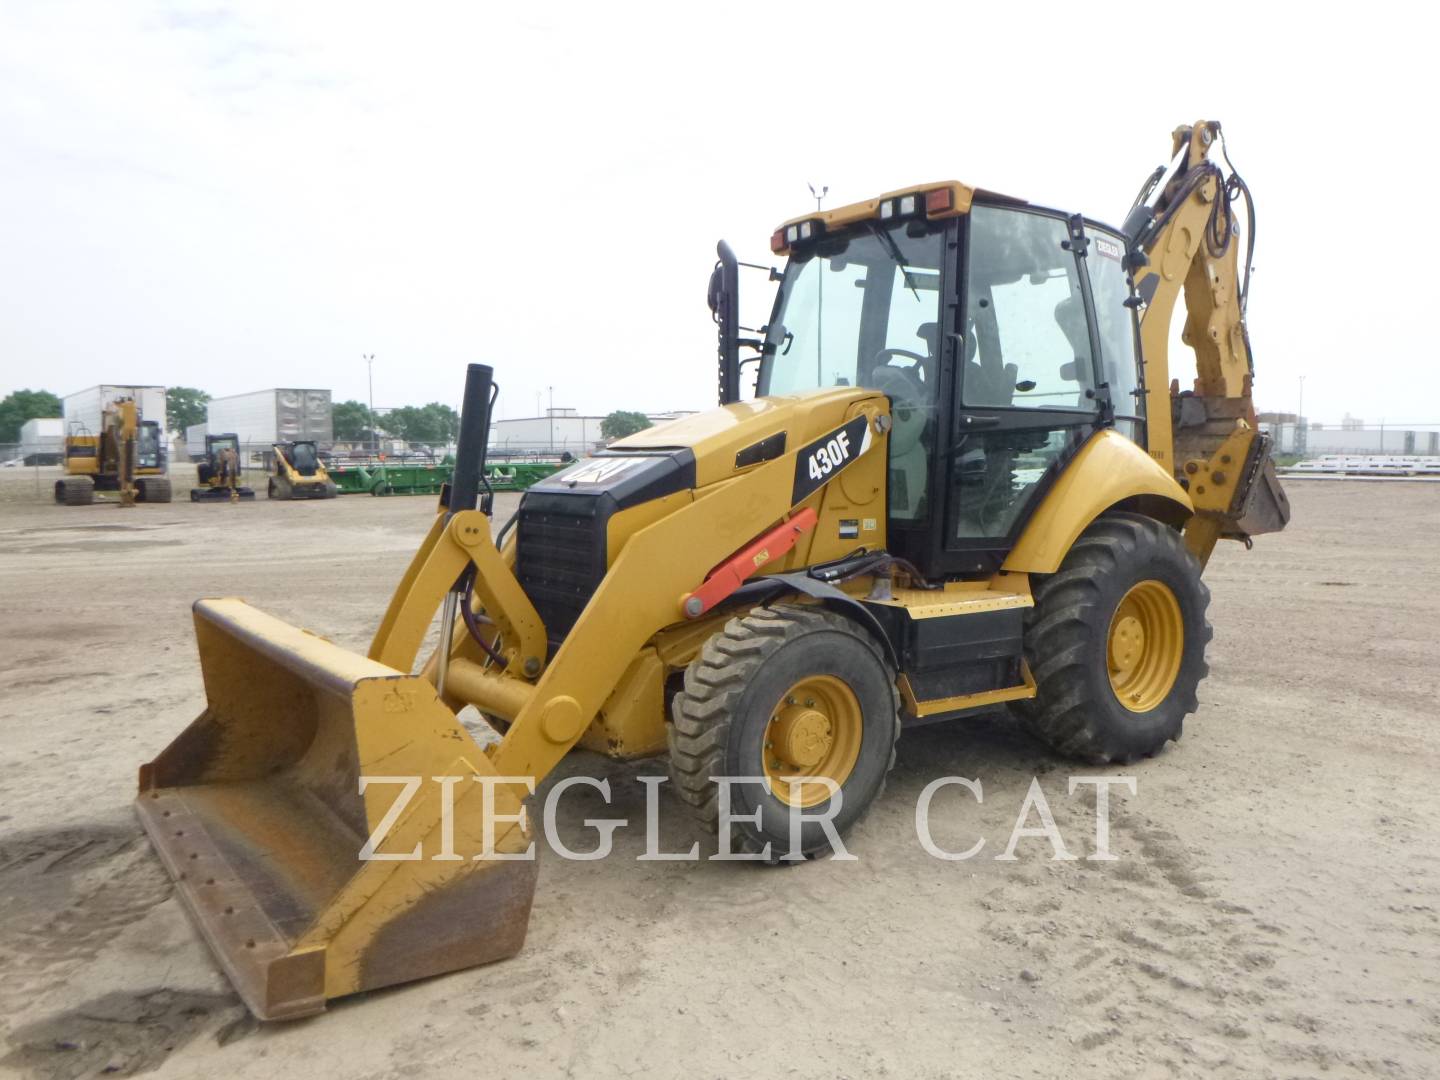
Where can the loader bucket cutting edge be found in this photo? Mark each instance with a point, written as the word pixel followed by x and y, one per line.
pixel 256 812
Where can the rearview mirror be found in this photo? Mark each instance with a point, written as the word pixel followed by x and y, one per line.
pixel 1068 373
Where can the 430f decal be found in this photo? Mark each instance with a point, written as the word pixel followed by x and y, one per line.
pixel 818 461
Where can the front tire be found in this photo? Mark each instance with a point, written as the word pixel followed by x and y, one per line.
pixel 1116 642
pixel 781 692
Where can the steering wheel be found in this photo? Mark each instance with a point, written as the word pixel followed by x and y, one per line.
pixel 914 393
pixel 907 394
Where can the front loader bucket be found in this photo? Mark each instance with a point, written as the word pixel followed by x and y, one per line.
pixel 257 812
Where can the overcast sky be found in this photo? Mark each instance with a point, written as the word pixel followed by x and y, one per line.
pixel 238 197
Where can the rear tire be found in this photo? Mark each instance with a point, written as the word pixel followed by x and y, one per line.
pixel 738 695
pixel 1116 642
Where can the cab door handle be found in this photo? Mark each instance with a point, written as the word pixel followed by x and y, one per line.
pixel 981 421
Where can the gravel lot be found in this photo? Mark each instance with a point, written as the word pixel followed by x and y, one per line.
pixel 1275 910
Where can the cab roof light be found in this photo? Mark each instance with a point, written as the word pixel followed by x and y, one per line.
pixel 903 206
pixel 798 233
pixel 939 201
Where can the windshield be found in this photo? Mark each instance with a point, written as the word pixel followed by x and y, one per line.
pixel 147 446
pixel 863 309
pixel 302 456
pixel 859 309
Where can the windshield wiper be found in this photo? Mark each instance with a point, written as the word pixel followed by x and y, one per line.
pixel 894 250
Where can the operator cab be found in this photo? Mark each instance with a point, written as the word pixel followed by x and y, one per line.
pixel 1004 336
pixel 302 457
pixel 148 452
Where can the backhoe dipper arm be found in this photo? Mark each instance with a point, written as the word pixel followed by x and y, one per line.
pixel 1184 235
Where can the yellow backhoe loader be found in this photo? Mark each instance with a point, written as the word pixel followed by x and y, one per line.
pixel 296 472
pixel 126 457
pixel 957 485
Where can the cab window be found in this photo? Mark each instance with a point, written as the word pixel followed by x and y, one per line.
pixel 1117 323
pixel 1027 344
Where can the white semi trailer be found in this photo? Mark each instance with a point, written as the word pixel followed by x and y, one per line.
pixel 82 409
pixel 265 417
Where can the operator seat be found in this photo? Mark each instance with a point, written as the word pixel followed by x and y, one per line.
pixel 988 383
pixel 912 395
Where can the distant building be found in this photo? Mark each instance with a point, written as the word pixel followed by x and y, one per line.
pixel 559 430
pixel 1350 439
pixel 556 431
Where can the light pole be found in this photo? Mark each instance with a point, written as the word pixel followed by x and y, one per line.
pixel 369 359
pixel 1300 439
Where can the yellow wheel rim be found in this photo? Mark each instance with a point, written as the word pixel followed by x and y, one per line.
pixel 1145 645
pixel 814 730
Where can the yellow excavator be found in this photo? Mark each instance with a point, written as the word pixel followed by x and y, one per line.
pixel 966 478
pixel 220 474
pixel 126 456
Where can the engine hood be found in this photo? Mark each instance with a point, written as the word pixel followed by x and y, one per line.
pixel 733 437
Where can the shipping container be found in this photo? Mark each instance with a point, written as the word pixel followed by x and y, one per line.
pixel 83 408
pixel 265 417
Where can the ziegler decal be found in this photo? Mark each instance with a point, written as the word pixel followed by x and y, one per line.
pixel 1109 248
pixel 816 462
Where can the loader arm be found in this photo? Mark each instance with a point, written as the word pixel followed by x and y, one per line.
pixel 1185 238
pixel 643 592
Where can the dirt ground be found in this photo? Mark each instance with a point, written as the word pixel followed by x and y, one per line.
pixel 1275 910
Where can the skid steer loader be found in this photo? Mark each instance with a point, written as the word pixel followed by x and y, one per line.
pixel 296 472
pixel 957 485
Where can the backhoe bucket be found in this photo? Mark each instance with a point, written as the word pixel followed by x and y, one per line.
pixel 258 813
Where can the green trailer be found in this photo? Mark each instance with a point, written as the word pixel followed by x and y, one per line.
pixel 384 478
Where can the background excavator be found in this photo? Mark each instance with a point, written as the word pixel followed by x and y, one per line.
pixel 219 475
pixel 125 457
pixel 958 485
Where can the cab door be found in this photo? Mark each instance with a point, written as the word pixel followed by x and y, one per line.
pixel 1027 392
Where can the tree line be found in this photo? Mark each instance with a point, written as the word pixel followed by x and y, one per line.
pixel 433 424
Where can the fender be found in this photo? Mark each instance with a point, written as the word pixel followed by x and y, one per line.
pixel 1108 469
pixel 763 590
